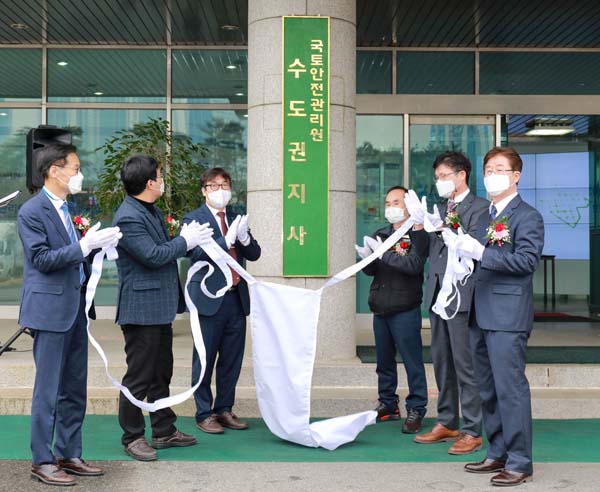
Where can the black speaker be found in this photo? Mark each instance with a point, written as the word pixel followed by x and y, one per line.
pixel 37 138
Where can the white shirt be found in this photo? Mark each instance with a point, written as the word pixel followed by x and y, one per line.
pixel 58 203
pixel 459 198
pixel 501 205
pixel 214 211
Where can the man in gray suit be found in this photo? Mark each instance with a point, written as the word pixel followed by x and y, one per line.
pixel 450 349
pixel 507 244
pixel 149 298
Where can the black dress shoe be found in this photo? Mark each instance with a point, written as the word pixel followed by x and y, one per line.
pixel 509 478
pixel 486 466
pixel 412 423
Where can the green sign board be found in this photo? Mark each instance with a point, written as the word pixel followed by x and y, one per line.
pixel 305 146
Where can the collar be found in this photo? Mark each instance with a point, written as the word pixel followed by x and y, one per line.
pixel 56 201
pixel 215 211
pixel 501 205
pixel 462 196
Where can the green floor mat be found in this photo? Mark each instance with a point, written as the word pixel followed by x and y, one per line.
pixel 554 441
pixel 535 355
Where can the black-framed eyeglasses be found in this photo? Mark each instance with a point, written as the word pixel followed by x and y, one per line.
pixel 216 186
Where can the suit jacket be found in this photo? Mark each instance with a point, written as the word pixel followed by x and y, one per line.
pixel 149 288
pixel 469 211
pixel 503 297
pixel 51 290
pixel 207 306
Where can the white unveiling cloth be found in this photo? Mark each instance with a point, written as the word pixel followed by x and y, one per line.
pixel 458 271
pixel 284 336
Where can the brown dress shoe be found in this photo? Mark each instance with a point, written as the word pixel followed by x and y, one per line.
pixel 210 425
pixel 51 474
pixel 486 466
pixel 439 433
pixel 77 466
pixel 466 444
pixel 141 450
pixel 511 478
pixel 178 440
pixel 230 420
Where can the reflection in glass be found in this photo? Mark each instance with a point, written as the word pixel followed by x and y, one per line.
pixel 91 127
pixel 379 166
pixel 373 72
pixel 21 74
pixel 210 76
pixel 107 75
pixel 428 141
pixel 442 72
pixel 224 134
pixel 14 125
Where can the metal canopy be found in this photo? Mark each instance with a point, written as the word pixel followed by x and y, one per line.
pixel 380 23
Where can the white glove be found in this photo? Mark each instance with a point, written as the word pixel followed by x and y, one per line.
pixel 468 247
pixel 433 222
pixel 363 251
pixel 232 232
pixel 196 234
pixel 96 239
pixel 242 231
pixel 373 244
pixel 417 209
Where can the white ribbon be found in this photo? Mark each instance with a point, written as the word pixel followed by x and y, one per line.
pixel 284 323
pixel 111 254
pixel 458 271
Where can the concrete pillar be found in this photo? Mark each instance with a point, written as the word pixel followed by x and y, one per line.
pixel 336 335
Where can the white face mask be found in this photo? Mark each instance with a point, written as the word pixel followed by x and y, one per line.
pixel 162 188
pixel 394 214
pixel 75 183
pixel 445 188
pixel 495 184
pixel 219 198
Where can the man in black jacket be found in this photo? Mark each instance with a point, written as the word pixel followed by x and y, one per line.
pixel 395 299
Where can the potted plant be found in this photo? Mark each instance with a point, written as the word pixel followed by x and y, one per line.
pixel 178 157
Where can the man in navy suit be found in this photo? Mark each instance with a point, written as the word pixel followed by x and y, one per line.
pixel 149 298
pixel 222 320
pixel 55 275
pixel 507 244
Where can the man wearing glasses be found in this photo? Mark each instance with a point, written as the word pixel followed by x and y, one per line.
pixel 507 244
pixel 450 349
pixel 222 320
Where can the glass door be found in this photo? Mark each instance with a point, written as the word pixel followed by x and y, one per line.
pixel 430 136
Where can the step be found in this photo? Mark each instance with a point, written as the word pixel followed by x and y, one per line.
pixel 344 374
pixel 547 403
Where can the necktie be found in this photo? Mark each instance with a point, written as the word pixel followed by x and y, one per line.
pixel 451 206
pixel 72 236
pixel 232 253
pixel 493 212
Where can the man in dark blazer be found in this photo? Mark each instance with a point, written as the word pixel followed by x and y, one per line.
pixel 508 244
pixel 55 275
pixel 395 299
pixel 450 349
pixel 222 320
pixel 149 298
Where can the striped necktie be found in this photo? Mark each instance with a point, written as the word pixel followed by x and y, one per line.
pixel 72 236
